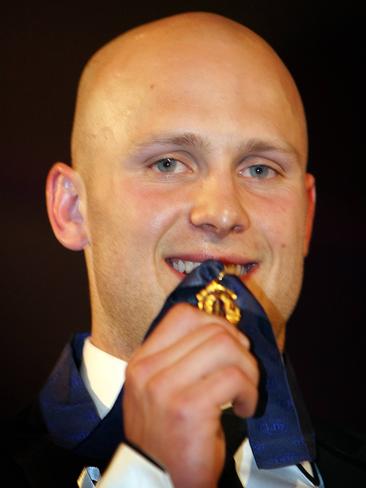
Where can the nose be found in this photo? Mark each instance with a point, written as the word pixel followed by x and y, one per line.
pixel 218 208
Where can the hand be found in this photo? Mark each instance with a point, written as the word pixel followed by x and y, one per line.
pixel 176 383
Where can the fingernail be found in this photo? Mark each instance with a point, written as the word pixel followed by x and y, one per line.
pixel 244 340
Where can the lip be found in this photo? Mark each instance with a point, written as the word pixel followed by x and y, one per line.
pixel 199 258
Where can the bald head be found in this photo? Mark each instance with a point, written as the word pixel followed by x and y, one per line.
pixel 166 60
pixel 189 142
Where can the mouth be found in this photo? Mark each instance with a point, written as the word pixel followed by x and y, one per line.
pixel 185 266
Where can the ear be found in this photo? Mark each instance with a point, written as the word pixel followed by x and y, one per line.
pixel 64 193
pixel 310 211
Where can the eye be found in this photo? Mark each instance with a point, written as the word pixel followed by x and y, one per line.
pixel 259 171
pixel 169 165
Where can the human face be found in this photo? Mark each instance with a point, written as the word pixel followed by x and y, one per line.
pixel 201 160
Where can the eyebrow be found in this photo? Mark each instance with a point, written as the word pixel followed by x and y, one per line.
pixel 261 145
pixel 190 139
pixel 185 139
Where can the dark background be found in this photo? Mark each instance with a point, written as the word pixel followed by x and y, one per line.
pixel 44 46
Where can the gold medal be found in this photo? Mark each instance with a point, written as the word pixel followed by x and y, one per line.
pixel 216 299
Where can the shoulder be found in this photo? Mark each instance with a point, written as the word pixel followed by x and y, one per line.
pixel 341 454
pixel 32 458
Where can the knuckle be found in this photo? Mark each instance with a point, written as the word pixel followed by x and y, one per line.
pixel 136 373
pixel 156 387
pixel 160 389
pixel 246 404
pixel 223 339
pixel 181 410
pixel 252 369
pixel 235 374
pixel 216 327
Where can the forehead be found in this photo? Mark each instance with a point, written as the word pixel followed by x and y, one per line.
pixel 215 87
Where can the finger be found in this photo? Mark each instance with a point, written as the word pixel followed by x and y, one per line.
pixel 179 355
pixel 179 321
pixel 207 396
pixel 218 351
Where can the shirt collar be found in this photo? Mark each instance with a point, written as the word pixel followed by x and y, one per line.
pixel 103 376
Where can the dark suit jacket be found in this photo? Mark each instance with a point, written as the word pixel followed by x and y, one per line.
pixel 49 443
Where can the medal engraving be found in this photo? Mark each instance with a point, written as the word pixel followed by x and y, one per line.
pixel 216 299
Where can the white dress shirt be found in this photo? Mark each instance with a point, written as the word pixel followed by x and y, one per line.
pixel 104 376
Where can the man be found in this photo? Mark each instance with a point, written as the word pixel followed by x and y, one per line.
pixel 189 143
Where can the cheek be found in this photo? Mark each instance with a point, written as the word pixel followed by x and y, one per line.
pixel 148 211
pixel 282 221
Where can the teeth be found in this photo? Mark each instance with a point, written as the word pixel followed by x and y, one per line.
pixel 188 266
pixel 237 269
pixel 184 266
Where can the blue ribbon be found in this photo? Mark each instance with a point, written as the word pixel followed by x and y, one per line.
pixel 276 435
